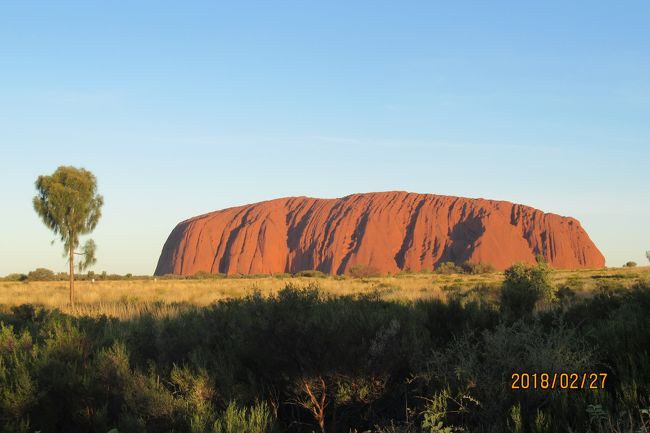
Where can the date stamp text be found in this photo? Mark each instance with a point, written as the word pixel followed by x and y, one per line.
pixel 552 381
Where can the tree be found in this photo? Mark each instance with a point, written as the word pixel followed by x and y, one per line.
pixel 69 205
pixel 647 254
pixel 41 274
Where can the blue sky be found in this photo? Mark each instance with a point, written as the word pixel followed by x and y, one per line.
pixel 181 108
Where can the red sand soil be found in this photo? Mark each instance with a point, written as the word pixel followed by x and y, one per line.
pixel 388 231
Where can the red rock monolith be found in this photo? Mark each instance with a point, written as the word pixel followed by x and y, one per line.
pixel 387 231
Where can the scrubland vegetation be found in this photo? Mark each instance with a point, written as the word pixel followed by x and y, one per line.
pixel 407 353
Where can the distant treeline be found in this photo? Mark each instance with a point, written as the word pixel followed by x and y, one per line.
pixel 43 274
pixel 301 361
pixel 358 271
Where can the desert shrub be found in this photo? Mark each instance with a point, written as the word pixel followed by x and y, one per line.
pixel 448 268
pixel 523 287
pixel 310 273
pixel 196 393
pixel 40 274
pixel 565 295
pixel 610 314
pixel 363 271
pixel 255 419
pixel 437 409
pixel 486 294
pixel 477 268
pixel 618 325
pixel 476 371
pixel 630 264
pixel 206 275
pixel 18 390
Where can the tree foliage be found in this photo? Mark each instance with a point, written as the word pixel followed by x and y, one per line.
pixel 68 204
pixel 41 274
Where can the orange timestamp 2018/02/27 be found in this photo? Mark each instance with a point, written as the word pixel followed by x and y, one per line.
pixel 556 380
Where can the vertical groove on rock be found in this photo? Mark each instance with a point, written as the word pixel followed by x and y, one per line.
pixel 409 235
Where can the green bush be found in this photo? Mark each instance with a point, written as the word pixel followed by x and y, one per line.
pixel 630 264
pixel 523 287
pixel 477 268
pixel 448 268
pixel 256 419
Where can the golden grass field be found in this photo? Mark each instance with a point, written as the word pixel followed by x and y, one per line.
pixel 126 298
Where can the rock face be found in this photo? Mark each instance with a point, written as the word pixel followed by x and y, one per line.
pixel 389 231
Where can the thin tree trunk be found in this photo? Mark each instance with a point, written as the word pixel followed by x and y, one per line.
pixel 317 406
pixel 71 277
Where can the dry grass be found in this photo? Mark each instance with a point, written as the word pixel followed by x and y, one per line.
pixel 127 298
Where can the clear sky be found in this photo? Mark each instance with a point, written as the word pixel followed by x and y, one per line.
pixel 180 108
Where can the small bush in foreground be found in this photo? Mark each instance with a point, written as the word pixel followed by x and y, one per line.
pixel 256 419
